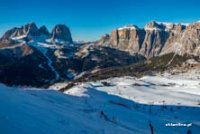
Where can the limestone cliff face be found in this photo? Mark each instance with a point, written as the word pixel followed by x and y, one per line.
pixel 156 39
pixel 128 38
pixel 186 42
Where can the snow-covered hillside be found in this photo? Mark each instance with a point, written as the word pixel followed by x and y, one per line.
pixel 114 106
pixel 154 90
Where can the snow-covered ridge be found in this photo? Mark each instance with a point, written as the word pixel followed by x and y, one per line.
pixel 173 90
pixel 168 24
pixel 159 26
pixel 151 28
pixel 19 37
pixel 13 47
pixel 128 27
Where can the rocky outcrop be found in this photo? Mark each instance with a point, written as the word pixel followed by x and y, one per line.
pixel 61 32
pixel 105 39
pixel 18 51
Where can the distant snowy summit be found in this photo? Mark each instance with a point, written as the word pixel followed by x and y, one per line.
pixel 60 33
pixel 155 25
pixel 164 26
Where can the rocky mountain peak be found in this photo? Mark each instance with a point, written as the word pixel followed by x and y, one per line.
pixel 161 26
pixel 30 29
pixel 154 24
pixel 43 29
pixel 31 26
pixel 61 32
pixel 8 34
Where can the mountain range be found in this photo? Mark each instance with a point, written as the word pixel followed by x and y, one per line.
pixel 156 39
pixel 34 56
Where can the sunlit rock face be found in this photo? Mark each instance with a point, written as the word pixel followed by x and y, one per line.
pixel 128 38
pixel 156 39
pixel 186 42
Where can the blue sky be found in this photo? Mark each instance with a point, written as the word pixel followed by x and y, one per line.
pixel 90 19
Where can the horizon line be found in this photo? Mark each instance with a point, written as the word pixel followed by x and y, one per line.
pixel 50 28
